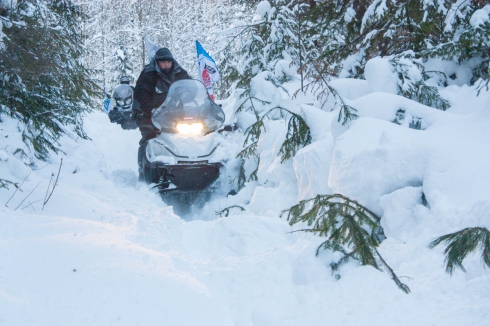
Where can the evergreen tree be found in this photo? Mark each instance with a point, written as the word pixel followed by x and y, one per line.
pixel 263 42
pixel 45 87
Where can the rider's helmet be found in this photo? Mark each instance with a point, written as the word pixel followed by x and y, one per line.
pixel 123 95
pixel 124 80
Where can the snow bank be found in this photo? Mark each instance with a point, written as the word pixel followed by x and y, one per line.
pixel 379 153
pixel 381 75
pixel 373 158
pixel 350 88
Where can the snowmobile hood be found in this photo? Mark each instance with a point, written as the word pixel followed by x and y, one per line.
pixel 123 96
pixel 122 91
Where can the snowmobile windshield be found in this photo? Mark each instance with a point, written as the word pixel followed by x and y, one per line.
pixel 188 102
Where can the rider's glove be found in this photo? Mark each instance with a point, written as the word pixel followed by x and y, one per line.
pixel 115 116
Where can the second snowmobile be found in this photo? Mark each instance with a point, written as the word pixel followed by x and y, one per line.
pixel 122 111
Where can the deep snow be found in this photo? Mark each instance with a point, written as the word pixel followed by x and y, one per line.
pixel 106 250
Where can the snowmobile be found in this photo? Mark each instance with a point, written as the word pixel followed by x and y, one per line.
pixel 122 111
pixel 185 156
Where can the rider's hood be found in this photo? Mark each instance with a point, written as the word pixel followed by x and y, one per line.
pixel 153 66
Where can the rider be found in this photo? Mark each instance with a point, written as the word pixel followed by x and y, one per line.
pixel 151 91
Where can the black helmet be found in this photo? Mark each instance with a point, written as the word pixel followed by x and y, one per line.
pixel 124 80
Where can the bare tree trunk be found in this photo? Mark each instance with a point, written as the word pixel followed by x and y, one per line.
pixel 142 34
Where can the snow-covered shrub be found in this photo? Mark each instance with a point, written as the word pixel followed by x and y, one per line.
pixel 467 40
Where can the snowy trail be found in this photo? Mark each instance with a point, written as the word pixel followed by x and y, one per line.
pixel 106 250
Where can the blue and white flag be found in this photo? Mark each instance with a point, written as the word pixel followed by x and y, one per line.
pixel 208 70
pixel 107 100
pixel 107 105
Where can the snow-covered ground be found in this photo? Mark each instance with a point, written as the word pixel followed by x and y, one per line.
pixel 106 250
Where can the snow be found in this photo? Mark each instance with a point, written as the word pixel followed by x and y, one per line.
pixel 263 9
pixel 480 17
pixel 106 250
pixel 284 70
pixel 376 72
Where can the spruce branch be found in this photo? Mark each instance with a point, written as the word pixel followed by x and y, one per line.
pixel 248 151
pixel 417 90
pixel 253 176
pixel 242 178
pixel 226 211
pixel 349 228
pixel 297 136
pixel 250 99
pixel 461 243
pixel 347 112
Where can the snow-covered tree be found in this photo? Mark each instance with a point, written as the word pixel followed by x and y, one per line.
pixel 121 65
pixel 45 87
pixel 112 24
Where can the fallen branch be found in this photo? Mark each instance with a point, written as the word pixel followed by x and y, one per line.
pixel 17 188
pixel 28 195
pixel 31 204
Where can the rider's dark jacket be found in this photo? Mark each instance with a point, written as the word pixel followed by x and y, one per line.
pixel 152 86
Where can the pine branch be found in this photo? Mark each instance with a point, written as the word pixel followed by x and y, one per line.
pixel 347 113
pixel 226 211
pixel 461 243
pixel 348 226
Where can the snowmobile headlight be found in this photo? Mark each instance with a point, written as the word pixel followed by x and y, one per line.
pixel 120 102
pixel 190 129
